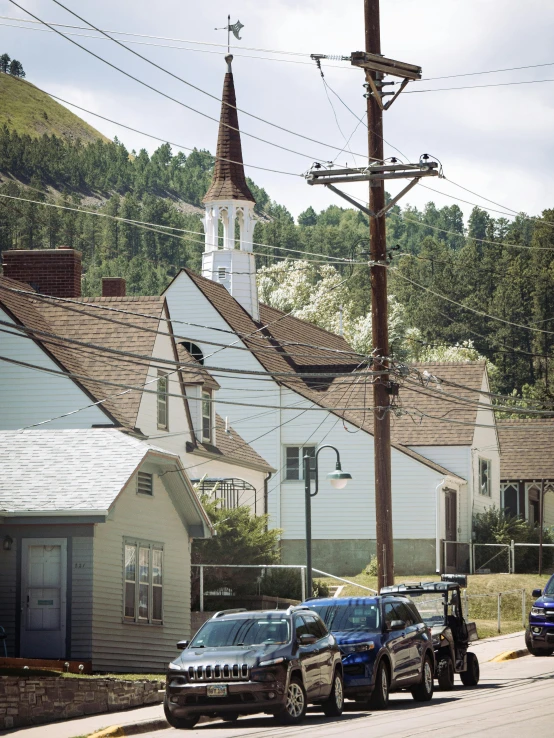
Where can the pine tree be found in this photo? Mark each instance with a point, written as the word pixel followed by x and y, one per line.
pixel 16 68
pixel 4 63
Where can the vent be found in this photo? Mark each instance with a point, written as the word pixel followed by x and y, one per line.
pixel 221 273
pixel 144 484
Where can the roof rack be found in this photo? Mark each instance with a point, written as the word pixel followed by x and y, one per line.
pixel 221 613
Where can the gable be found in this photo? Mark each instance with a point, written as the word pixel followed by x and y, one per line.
pixel 29 396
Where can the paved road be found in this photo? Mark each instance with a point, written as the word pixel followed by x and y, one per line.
pixel 514 699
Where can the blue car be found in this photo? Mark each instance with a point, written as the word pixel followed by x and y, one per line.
pixel 539 636
pixel 385 647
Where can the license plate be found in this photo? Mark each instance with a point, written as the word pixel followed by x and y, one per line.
pixel 216 690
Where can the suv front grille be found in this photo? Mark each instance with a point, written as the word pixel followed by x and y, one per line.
pixel 217 672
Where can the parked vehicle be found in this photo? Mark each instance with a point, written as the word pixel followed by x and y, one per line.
pixel 539 635
pixel 440 606
pixel 241 663
pixel 385 647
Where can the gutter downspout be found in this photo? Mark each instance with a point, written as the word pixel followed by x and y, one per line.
pixel 266 493
pixel 438 489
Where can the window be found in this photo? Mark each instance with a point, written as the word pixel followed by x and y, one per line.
pixel 533 497
pixel 349 617
pixel 294 461
pixel 143 582
pixel 485 477
pixel 392 612
pixel 510 498
pixel 162 399
pixel 194 350
pixel 300 627
pixel 145 484
pixel 207 416
pixel 315 627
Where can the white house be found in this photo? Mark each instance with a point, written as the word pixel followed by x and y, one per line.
pixel 308 383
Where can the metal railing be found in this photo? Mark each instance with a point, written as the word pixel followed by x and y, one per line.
pixel 300 568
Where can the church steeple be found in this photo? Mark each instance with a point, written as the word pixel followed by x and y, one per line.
pixel 230 202
pixel 228 181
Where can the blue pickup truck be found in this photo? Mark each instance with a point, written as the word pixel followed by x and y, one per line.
pixel 539 636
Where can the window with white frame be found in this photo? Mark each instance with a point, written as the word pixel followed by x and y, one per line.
pixel 143 582
pixel 207 416
pixel 294 462
pixel 510 499
pixel 485 481
pixel 162 399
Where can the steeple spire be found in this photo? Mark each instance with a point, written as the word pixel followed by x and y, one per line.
pixel 228 181
pixel 230 207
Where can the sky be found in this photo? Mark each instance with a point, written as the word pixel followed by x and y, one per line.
pixel 495 141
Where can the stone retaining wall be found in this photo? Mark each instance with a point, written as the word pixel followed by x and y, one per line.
pixel 36 700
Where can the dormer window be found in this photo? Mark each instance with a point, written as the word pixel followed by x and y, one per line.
pixel 207 425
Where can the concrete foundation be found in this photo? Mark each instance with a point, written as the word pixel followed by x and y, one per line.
pixel 350 557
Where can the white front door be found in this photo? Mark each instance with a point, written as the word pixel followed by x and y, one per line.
pixel 43 595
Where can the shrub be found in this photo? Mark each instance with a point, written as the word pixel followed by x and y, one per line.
pixel 371 568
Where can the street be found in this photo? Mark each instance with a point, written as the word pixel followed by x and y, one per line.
pixel 514 698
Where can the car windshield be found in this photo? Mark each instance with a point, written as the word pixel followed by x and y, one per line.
pixel 242 632
pixel 349 617
pixel 549 589
pixel 430 606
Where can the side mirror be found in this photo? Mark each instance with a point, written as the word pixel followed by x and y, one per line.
pixel 181 645
pixel 306 639
pixel 536 592
pixel 397 625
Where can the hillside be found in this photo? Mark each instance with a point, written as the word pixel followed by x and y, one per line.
pixel 30 111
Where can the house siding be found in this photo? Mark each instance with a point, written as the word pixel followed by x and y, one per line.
pixel 119 646
pixel 8 591
pixel 28 396
pixel 81 575
pixel 486 446
pixel 258 426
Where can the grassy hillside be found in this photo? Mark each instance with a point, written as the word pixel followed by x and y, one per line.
pixel 28 110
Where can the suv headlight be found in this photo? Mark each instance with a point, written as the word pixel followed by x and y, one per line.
pixel 537 611
pixel 173 666
pixel 358 647
pixel 272 662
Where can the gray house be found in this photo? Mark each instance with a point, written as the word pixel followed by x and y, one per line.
pixel 95 527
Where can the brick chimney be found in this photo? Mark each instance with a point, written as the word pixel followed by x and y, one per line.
pixel 113 287
pixel 55 272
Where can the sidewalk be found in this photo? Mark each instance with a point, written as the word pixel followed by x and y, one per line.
pixel 85 725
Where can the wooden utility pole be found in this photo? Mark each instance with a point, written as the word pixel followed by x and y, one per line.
pixel 380 331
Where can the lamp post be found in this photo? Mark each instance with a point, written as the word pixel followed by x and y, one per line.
pixel 339 480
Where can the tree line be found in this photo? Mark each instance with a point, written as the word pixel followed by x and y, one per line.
pixel 485 284
pixel 11 66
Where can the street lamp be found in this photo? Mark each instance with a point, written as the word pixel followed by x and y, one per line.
pixel 339 480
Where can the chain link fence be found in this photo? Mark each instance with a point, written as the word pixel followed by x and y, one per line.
pixel 526 558
pixel 456 557
pixel 492 558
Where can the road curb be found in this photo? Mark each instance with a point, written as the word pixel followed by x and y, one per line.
pixel 116 731
pixel 509 655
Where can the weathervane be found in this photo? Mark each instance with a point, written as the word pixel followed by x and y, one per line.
pixel 235 28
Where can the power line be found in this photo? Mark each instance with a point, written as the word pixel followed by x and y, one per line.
pixel 489 71
pixel 472 310
pixel 475 87
pixel 163 94
pixel 327 259
pixel 180 79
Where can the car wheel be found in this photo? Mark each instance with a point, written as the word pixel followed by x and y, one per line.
pixel 229 717
pixel 536 651
pixel 379 698
pixel 424 691
pixel 295 706
pixel 445 674
pixel 333 706
pixel 470 677
pixel 181 723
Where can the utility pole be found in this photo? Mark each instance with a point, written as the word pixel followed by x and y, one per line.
pixel 376 172
pixel 379 318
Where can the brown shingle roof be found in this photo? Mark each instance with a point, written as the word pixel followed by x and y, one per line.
pixel 277 357
pixel 231 447
pixel 228 181
pixel 526 448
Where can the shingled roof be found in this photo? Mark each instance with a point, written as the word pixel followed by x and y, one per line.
pixel 228 181
pixel 526 448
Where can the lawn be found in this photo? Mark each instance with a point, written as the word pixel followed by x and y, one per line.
pixel 6 671
pixel 482 592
